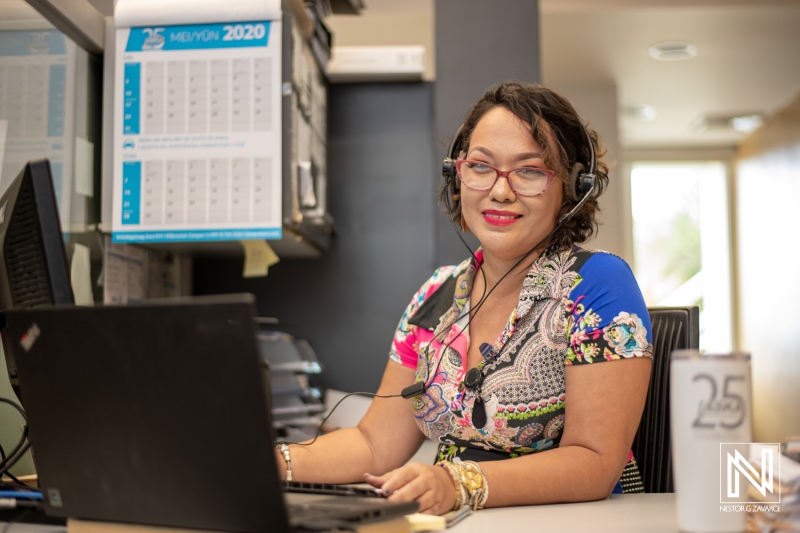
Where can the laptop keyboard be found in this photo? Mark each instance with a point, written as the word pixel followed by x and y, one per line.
pixel 334 490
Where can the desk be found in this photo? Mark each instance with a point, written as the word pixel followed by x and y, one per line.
pixel 621 513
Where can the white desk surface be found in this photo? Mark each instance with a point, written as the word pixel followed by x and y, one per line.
pixel 621 513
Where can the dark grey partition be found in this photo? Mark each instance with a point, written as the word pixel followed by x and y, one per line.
pixel 478 44
pixel 381 194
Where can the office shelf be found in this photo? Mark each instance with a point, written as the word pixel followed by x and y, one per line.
pixel 306 240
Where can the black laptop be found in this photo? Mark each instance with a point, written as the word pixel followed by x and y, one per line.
pixel 159 414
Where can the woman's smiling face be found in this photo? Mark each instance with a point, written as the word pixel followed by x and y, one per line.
pixel 508 225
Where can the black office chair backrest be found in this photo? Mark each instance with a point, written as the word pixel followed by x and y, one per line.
pixel 674 328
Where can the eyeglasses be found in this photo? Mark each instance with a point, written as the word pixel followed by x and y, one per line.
pixel 525 181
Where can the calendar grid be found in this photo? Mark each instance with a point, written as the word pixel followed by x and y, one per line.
pixel 200 119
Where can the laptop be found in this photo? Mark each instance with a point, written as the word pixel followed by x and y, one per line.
pixel 160 414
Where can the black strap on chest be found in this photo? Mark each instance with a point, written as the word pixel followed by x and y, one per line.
pixel 432 309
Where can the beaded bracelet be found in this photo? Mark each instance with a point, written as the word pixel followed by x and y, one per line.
pixel 284 449
pixel 461 492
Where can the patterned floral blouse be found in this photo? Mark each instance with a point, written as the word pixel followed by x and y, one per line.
pixel 575 307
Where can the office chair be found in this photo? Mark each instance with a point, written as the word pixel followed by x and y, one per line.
pixel 674 328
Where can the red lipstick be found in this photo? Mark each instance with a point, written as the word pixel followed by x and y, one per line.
pixel 500 218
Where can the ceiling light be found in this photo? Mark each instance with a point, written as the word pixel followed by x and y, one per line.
pixel 701 124
pixel 642 112
pixel 741 122
pixel 746 123
pixel 672 51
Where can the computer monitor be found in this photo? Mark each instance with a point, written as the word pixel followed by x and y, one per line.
pixel 33 263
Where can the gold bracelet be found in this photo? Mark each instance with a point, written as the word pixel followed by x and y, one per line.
pixel 287 456
pixel 461 496
pixel 473 480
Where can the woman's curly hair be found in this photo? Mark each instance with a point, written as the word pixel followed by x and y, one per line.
pixel 558 129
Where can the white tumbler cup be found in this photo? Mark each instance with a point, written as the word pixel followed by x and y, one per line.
pixel 709 404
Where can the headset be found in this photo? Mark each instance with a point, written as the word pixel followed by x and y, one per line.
pixel 581 185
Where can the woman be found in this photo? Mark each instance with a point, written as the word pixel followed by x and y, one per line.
pixel 535 315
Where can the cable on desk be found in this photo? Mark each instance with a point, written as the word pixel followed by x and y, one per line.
pixel 15 482
pixel 9 474
pixel 21 447
pixel 19 452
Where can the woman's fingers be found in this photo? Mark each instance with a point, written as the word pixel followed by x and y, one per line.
pixel 393 480
pixel 376 481
pixel 429 503
pixel 396 479
pixel 416 482
pixel 432 500
pixel 413 486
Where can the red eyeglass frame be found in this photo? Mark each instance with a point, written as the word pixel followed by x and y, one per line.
pixel 502 174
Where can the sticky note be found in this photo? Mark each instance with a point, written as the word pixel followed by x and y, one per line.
pixel 426 522
pixel 81 276
pixel 258 257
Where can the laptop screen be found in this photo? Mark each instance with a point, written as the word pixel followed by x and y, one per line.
pixel 155 414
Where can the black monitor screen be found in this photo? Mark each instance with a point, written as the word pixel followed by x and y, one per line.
pixel 33 263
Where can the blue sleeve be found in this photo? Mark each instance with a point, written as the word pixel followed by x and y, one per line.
pixel 607 317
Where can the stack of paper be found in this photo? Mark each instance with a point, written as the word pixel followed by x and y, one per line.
pixel 784 516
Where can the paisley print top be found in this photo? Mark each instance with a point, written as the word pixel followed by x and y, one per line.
pixel 575 307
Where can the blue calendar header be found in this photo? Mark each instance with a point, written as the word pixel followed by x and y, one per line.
pixel 199 36
pixel 32 43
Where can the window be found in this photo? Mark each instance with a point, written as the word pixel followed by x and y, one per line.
pixel 682 242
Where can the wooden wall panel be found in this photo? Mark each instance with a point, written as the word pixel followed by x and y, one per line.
pixel 768 189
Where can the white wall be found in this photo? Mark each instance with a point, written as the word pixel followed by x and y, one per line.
pixel 384 25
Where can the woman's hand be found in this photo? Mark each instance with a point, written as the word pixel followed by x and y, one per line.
pixel 429 485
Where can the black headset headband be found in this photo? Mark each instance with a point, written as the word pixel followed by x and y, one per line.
pixel 592 155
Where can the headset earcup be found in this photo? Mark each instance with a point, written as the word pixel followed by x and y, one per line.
pixel 451 182
pixel 573 185
pixel 584 184
pixel 450 174
pixel 449 164
pixel 449 169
